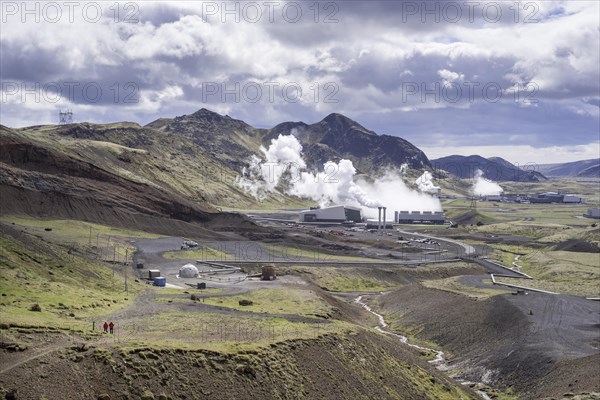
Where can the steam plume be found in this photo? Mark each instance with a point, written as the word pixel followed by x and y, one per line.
pixel 485 187
pixel 425 183
pixel 284 167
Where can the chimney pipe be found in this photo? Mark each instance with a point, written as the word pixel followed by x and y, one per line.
pixel 384 210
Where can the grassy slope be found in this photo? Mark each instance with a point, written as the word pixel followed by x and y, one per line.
pixel 345 279
pixel 350 365
pixel 218 332
pixel 276 301
pixel 105 242
pixel 172 162
pixel 564 272
pixel 36 272
pixel 453 285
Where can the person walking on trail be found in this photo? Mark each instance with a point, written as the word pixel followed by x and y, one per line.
pixel 111 326
pixel 105 326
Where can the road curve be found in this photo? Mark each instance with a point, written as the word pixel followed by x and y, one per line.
pixel 469 250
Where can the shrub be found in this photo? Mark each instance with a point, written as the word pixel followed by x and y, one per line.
pixel 35 307
pixel 147 395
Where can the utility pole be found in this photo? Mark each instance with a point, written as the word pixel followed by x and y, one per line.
pixel 107 248
pixel 90 236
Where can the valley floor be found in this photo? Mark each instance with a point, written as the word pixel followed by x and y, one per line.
pixel 302 335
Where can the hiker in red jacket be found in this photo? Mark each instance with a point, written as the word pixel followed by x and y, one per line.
pixel 111 326
pixel 105 327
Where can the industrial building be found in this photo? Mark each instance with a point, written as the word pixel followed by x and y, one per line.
pixel 546 198
pixel 492 197
pixel 335 214
pixel 593 213
pixel 514 198
pixel 377 224
pixel 381 222
pixel 553 197
pixel 571 198
pixel 418 217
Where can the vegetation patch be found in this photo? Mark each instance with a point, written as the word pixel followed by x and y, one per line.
pixel 220 332
pixel 345 279
pixel 564 272
pixel 453 284
pixel 42 284
pixel 275 301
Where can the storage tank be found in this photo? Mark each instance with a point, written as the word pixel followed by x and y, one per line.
pixel 188 271
pixel 160 281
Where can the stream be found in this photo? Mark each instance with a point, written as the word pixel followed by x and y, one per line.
pixel 439 361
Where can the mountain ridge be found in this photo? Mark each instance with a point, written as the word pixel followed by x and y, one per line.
pixel 346 138
pixel 43 182
pixel 493 168
pixel 581 168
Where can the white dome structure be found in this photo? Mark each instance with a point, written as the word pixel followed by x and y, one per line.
pixel 188 271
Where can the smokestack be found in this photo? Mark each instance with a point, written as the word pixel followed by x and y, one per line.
pixel 384 209
pixel 379 220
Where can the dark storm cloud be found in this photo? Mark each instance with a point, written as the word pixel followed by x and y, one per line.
pixel 32 64
pixel 369 51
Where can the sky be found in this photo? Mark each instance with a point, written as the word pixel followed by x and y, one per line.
pixel 515 79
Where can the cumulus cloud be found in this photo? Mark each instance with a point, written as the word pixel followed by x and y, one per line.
pixel 380 60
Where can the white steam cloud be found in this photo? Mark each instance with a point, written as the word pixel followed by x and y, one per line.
pixel 283 166
pixel 425 183
pixel 485 187
pixel 262 177
pixel 334 185
pixel 392 192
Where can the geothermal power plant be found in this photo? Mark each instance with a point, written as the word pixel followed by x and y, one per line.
pixel 340 214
